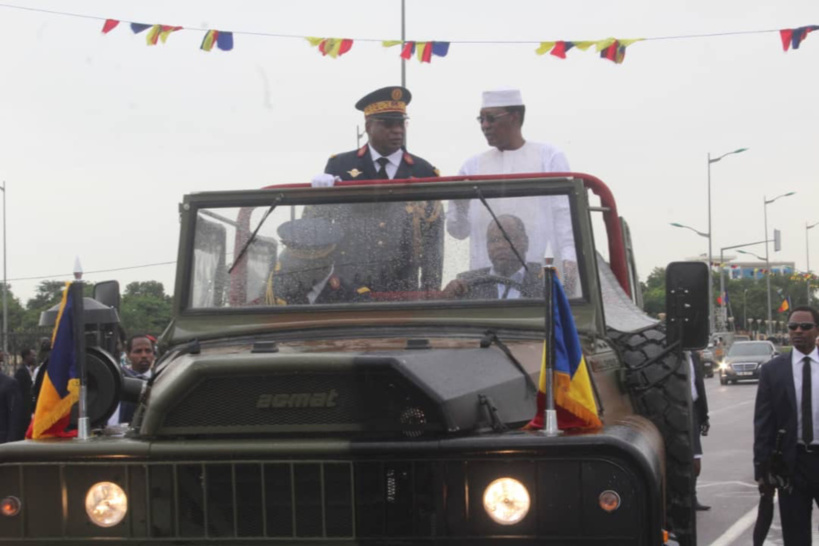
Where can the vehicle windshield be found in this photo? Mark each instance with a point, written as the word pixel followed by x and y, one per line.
pixel 751 348
pixel 384 252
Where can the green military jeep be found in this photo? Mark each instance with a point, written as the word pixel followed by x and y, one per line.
pixel 383 416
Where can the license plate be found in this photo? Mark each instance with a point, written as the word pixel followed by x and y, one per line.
pixel 745 373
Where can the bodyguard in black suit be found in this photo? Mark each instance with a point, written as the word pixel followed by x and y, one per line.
pixel 11 406
pixel 701 423
pixel 23 376
pixel 788 399
pixel 508 278
pixel 389 246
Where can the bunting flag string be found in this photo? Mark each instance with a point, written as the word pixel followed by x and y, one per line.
pixel 332 47
pixel 612 49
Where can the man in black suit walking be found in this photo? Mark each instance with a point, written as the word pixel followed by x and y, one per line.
pixel 788 399
pixel 387 245
pixel 508 278
pixel 25 379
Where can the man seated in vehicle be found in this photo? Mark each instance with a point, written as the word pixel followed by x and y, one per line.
pixel 507 278
pixel 305 271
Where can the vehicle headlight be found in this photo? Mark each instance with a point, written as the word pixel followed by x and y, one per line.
pixel 723 365
pixel 106 504
pixel 506 501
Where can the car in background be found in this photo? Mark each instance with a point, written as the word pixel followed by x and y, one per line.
pixel 708 361
pixel 742 338
pixel 744 360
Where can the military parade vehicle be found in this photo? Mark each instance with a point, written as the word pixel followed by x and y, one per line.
pixel 300 398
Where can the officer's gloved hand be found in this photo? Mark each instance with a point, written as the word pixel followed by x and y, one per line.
pixel 324 180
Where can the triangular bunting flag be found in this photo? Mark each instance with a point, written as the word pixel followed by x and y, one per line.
pixel 136 28
pixel 333 47
pixel 110 24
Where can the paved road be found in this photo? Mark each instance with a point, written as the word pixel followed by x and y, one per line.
pixel 727 479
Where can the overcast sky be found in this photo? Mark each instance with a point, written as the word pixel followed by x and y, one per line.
pixel 101 135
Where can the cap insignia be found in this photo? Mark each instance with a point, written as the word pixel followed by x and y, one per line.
pixel 396 94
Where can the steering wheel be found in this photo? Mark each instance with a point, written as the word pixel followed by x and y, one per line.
pixel 479 280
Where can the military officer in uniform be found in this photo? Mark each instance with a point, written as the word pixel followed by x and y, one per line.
pixel 305 271
pixel 507 278
pixel 389 246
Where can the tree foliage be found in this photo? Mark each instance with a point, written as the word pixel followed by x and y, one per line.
pixel 146 309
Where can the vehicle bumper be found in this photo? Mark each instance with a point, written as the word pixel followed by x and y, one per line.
pixel 346 493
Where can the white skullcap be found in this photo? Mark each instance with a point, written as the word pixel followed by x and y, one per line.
pixel 502 97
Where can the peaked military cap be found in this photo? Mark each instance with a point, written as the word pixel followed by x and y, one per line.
pixel 310 238
pixel 386 103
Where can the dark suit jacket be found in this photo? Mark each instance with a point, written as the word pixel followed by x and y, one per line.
pixel 127 409
pixel 23 378
pixel 388 244
pixel 775 409
pixel 701 404
pixel 11 406
pixel 533 283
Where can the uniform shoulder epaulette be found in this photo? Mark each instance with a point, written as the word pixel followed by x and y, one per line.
pixel 408 159
pixel 436 171
pixel 363 290
pixel 361 151
pixel 333 156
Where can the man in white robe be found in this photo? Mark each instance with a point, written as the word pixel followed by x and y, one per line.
pixel 547 218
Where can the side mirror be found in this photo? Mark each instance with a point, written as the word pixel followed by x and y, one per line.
pixel 107 293
pixel 686 304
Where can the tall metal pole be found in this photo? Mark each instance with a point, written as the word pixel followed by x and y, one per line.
pixel 722 313
pixel 767 266
pixel 403 40
pixel 710 234
pixel 5 285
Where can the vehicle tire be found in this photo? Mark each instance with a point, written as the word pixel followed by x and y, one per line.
pixel 660 389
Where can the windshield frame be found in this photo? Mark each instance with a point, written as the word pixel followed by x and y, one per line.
pixel 442 191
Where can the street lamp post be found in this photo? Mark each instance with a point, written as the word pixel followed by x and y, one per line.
pixel 710 233
pixel 767 202
pixel 807 255
pixel 710 283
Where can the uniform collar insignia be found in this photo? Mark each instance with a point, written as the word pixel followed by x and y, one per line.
pixel 354 173
pixel 408 159
pixel 362 151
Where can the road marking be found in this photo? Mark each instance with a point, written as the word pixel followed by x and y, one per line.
pixel 703 485
pixel 736 530
pixel 726 408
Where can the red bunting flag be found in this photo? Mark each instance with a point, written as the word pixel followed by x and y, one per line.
pixel 792 38
pixel 110 24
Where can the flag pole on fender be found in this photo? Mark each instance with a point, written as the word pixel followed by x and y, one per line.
pixel 83 426
pixel 549 413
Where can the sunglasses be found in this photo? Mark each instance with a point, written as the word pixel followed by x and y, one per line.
pixel 491 118
pixel 805 326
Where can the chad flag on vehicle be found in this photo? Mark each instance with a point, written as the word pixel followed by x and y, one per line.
pixel 574 398
pixel 61 384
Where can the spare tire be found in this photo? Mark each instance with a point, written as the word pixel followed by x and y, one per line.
pixel 659 385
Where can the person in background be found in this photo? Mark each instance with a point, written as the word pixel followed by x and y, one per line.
pixel 11 409
pixel 700 421
pixel 140 352
pixel 25 381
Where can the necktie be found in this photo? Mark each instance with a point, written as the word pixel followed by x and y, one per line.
pixel 807 412
pixel 382 172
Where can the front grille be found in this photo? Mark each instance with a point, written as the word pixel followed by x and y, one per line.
pixel 744 366
pixel 368 402
pixel 369 501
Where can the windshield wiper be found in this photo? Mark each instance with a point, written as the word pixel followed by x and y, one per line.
pixel 253 235
pixel 503 231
